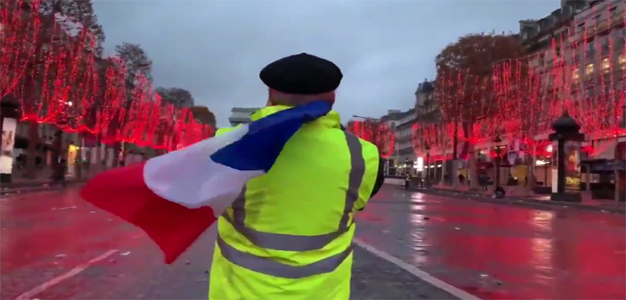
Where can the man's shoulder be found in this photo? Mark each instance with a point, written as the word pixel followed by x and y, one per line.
pixel 369 147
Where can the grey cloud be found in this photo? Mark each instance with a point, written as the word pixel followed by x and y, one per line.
pixel 215 49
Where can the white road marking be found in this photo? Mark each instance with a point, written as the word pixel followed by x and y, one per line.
pixel 44 286
pixel 417 272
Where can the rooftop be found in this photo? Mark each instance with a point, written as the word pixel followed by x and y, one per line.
pixel 245 109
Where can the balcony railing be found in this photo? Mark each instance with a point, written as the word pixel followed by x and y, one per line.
pixel 606 24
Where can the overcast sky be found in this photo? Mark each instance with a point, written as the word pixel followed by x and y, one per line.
pixel 215 49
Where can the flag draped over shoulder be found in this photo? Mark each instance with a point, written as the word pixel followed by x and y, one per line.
pixel 175 197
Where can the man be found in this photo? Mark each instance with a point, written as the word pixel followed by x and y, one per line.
pixel 289 234
pixel 407 181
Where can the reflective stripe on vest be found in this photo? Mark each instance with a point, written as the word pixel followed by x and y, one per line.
pixel 288 242
pixel 271 267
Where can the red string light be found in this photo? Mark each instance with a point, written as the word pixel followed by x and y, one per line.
pixel 375 132
pixel 59 80
pixel 525 95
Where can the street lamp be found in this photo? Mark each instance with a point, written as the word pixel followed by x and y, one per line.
pixel 427 148
pixel 498 149
pixel 366 118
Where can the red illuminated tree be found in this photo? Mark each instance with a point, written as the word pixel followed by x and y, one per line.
pixel 138 67
pixel 465 85
pixel 375 132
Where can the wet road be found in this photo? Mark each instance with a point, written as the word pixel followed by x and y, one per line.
pixel 55 246
pixel 492 251
pixel 498 251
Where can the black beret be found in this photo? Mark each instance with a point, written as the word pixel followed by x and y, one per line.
pixel 303 74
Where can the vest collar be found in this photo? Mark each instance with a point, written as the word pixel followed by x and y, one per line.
pixel 331 120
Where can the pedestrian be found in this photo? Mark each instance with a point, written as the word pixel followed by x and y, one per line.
pixel 483 180
pixel 289 235
pixel 59 173
pixel 407 181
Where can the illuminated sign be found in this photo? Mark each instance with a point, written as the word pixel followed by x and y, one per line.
pixel 420 164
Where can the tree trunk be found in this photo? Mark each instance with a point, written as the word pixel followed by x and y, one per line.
pixel 31 151
pixel 471 158
pixel 57 149
pixel 97 157
pixel 455 165
pixel 78 162
pixel 530 171
pixel 105 158
pixel 117 148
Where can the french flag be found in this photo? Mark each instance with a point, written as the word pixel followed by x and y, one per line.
pixel 175 197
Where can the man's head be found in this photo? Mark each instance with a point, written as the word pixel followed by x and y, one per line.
pixel 300 79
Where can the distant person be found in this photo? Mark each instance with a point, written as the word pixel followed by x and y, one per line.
pixel 461 178
pixel 407 181
pixel 483 180
pixel 59 173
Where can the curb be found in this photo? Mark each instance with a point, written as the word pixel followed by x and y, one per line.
pixel 528 202
pixel 523 202
pixel 38 188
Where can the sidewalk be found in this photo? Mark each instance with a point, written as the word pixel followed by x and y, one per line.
pixel 519 195
pixel 42 181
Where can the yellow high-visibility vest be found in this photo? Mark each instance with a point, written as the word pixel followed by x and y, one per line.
pixel 289 233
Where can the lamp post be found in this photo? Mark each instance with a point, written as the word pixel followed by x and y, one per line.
pixel 496 167
pixel 427 148
pixel 620 162
pixel 566 141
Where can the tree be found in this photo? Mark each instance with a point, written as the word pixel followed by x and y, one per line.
pixel 465 82
pixel 175 96
pixel 136 60
pixel 375 132
pixel 76 16
pixel 138 67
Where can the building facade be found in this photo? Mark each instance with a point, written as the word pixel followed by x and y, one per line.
pixel 241 115
pixel 404 132
pixel 578 52
pixel 430 158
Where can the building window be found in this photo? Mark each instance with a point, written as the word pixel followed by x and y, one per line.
pixel 622 61
pixel 580 27
pixel 589 69
pixel 606 65
pixel 596 20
